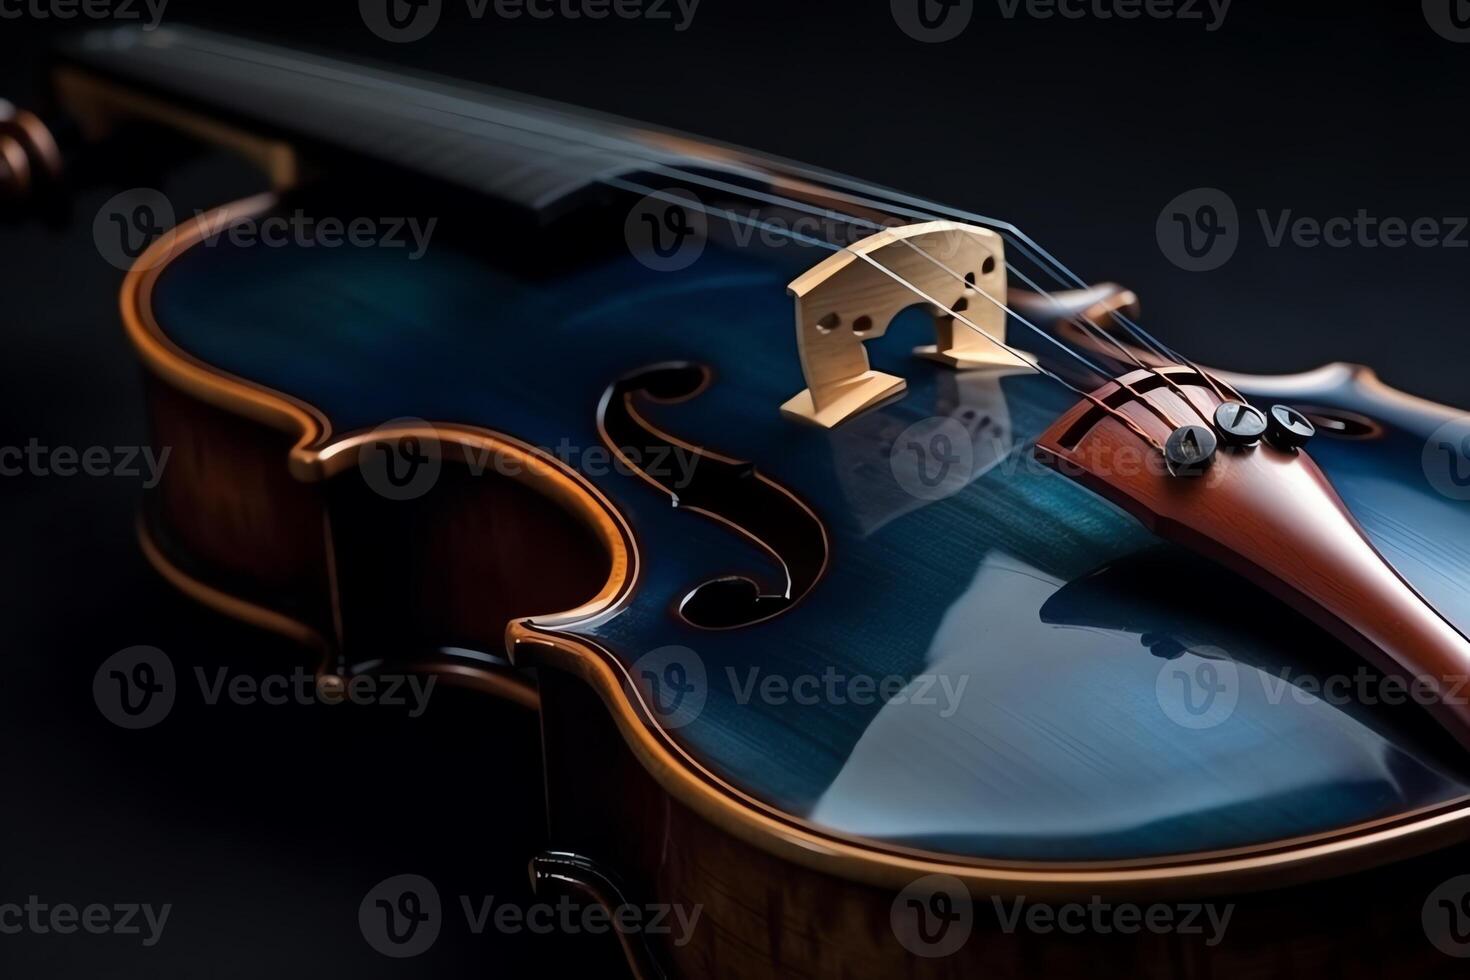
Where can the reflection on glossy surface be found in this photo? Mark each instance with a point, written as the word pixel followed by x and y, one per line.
pixel 1053 732
pixel 1112 757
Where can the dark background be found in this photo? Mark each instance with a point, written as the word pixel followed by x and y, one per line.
pixel 264 827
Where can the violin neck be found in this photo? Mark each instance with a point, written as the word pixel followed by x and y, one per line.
pixel 286 109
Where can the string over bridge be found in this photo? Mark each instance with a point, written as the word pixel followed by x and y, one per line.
pixel 853 296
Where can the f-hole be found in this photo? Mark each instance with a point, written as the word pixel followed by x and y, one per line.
pixel 730 491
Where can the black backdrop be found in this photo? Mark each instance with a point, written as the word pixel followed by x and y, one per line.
pixel 265 827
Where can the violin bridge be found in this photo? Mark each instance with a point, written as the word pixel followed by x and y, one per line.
pixel 852 297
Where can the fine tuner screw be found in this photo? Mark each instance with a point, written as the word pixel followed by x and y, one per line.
pixel 1190 450
pixel 1240 424
pixel 1289 429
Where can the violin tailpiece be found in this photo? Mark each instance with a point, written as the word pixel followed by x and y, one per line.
pixel 1266 511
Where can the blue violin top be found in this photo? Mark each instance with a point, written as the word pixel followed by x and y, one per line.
pixel 998 666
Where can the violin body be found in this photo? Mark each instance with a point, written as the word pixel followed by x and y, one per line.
pixel 786 671
pixel 1019 589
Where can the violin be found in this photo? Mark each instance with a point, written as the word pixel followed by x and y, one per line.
pixel 879 582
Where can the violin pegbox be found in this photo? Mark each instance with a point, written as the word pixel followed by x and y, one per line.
pixel 852 297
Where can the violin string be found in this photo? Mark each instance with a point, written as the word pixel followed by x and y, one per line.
pixel 1038 255
pixel 650 161
pixel 1043 259
pixel 439 99
pixel 1088 326
pixel 1025 244
pixel 581 138
pixel 781 201
pixel 1082 321
pixel 766 226
pixel 872 226
pixel 546 129
pixel 1035 253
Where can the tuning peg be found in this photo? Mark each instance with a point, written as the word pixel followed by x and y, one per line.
pixel 30 159
pixel 15 170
